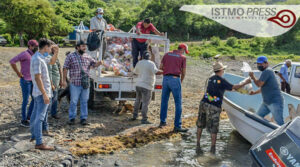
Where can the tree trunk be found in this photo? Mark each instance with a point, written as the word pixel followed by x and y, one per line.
pixel 21 39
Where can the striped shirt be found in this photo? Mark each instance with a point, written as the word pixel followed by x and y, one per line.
pixel 38 65
pixel 72 64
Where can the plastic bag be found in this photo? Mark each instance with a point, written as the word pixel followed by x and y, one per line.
pixel 246 89
pixel 246 67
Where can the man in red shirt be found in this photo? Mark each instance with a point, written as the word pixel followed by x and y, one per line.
pixel 173 65
pixel 139 46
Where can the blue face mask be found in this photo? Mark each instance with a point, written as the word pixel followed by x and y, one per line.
pixel 46 54
pixel 99 16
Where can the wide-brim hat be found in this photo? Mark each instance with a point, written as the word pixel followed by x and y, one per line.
pixel 217 66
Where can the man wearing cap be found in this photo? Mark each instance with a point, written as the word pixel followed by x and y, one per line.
pixel 139 46
pixel 74 63
pixel 210 105
pixel 173 65
pixel 284 76
pixel 98 22
pixel 146 70
pixel 269 88
pixel 25 79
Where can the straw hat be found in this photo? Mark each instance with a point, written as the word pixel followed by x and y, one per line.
pixel 217 66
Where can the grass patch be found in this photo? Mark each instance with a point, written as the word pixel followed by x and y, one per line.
pixel 237 49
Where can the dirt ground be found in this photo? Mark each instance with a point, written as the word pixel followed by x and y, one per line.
pixel 102 121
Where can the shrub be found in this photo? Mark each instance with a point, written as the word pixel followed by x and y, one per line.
pixel 215 41
pixel 207 55
pixel 231 41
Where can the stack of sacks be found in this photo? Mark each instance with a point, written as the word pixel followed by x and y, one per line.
pixel 118 56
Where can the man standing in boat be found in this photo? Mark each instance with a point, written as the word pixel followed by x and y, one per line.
pixel 210 105
pixel 269 88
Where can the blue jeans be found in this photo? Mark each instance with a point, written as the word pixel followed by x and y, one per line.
pixel 26 87
pixel 53 105
pixel 137 49
pixel 38 120
pixel 275 108
pixel 76 93
pixel 171 84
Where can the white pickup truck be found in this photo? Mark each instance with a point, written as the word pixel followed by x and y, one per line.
pixel 120 88
pixel 294 76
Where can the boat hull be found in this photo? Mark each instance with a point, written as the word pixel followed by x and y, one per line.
pixel 241 111
pixel 249 128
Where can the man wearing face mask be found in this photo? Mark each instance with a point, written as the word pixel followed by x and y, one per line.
pixel 41 91
pixel 210 105
pixel 98 22
pixel 75 63
pixel 269 88
pixel 25 79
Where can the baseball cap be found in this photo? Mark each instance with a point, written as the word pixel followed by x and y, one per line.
pixel 262 59
pixel 218 66
pixel 146 55
pixel 185 47
pixel 33 42
pixel 99 10
pixel 81 42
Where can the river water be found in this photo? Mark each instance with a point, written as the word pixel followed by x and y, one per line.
pixel 232 151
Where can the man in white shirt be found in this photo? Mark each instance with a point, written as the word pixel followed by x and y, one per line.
pixel 146 71
pixel 98 22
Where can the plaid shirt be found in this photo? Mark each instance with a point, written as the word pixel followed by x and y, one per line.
pixel 72 64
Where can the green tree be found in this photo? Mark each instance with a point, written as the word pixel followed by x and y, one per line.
pixel 35 18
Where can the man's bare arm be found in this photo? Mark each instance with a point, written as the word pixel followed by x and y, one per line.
pixel 280 75
pixel 40 85
pixel 183 74
pixel 156 32
pixel 15 68
pixel 55 55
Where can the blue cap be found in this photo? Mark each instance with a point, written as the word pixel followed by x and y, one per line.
pixel 262 59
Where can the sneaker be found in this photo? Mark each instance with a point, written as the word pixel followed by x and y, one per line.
pixel 55 116
pixel 213 150
pixel 146 122
pixel 25 123
pixel 162 125
pixel 71 122
pixel 84 122
pixel 176 130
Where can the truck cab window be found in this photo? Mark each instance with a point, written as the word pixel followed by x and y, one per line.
pixel 297 72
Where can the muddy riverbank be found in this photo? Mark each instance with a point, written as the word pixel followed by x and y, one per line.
pixel 104 123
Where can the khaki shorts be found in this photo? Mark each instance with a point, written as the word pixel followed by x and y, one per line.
pixel 209 117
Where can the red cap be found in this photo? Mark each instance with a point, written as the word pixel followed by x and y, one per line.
pixel 185 47
pixel 33 43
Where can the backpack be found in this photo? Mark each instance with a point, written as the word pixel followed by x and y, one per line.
pixel 94 41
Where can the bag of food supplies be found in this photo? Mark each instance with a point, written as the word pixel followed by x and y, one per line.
pixel 245 89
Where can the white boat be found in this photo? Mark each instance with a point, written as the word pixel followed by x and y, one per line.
pixel 241 110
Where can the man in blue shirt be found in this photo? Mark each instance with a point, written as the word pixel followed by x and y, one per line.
pixel 284 76
pixel 269 88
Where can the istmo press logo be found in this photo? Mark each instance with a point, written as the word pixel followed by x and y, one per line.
pixel 255 20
